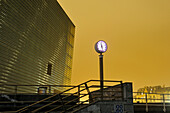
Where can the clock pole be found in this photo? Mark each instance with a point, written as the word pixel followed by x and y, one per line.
pixel 101 74
pixel 101 47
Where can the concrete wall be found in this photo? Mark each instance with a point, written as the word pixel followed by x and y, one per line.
pixel 114 106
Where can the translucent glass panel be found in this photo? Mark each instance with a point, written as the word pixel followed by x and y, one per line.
pixel 34 33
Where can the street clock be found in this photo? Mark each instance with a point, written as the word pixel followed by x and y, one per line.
pixel 101 46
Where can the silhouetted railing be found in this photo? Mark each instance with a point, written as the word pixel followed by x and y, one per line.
pixel 16 89
pixel 86 93
pixel 151 99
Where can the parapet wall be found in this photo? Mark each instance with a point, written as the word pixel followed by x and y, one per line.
pixel 124 105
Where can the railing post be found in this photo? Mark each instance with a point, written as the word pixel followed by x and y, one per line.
pixel 15 89
pixel 62 102
pixel 164 108
pixel 15 95
pixel 78 91
pixel 146 102
pixel 88 91
pixel 49 90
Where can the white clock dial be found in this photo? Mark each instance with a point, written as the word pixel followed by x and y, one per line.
pixel 101 46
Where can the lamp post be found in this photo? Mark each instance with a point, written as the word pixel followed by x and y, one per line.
pixel 101 47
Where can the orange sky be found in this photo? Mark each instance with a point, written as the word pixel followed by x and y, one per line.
pixel 138 37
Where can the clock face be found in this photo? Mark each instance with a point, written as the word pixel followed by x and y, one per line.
pixel 101 46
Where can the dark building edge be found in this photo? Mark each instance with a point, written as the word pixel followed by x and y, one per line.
pixel 65 13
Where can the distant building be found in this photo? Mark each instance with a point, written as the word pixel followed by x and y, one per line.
pixel 153 94
pixel 36 44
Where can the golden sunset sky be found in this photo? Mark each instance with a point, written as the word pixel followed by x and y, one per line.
pixel 137 33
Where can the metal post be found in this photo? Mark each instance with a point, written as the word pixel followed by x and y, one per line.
pixel 79 94
pixel 101 74
pixel 16 89
pixel 49 90
pixel 78 91
pixel 62 102
pixel 164 108
pixel 146 102
pixel 88 91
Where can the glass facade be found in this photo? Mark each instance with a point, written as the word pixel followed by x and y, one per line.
pixel 36 44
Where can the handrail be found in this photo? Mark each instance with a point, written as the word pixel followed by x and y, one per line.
pixel 153 93
pixel 151 98
pixel 58 85
pixel 78 92
pixel 48 85
pixel 36 85
pixel 65 104
pixel 20 110
pixel 55 101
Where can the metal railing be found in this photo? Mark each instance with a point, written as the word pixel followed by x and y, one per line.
pixel 86 92
pixel 153 99
pixel 17 89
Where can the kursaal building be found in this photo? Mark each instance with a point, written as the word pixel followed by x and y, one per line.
pixel 36 44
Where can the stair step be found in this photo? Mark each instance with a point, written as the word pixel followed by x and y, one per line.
pixel 8 112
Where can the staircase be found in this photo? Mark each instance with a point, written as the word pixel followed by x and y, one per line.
pixel 8 103
pixel 72 100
